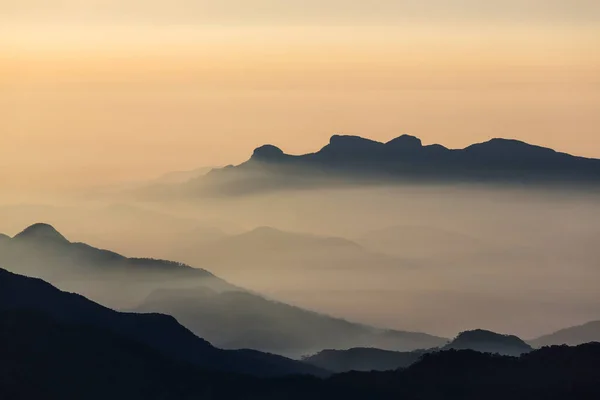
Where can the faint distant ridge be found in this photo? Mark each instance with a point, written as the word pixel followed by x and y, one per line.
pixel 364 359
pixel 489 342
pixel 41 236
pixel 573 336
pixel 354 159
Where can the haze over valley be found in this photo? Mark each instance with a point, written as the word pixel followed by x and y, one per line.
pixel 430 257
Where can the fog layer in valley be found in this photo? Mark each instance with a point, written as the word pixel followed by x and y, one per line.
pixel 420 258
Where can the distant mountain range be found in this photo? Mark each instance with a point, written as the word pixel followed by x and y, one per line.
pixel 356 160
pixel 370 359
pixel 41 251
pixel 226 315
pixel 270 250
pixel 576 335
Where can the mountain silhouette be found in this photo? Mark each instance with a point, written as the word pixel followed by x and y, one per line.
pixel 41 232
pixel 488 342
pixel 160 332
pixel 41 251
pixel 354 160
pixel 61 345
pixel 572 336
pixel 226 315
pixel 371 359
pixel 363 359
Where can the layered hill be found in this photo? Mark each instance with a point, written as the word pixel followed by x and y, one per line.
pixel 239 319
pixel 270 250
pixel 228 316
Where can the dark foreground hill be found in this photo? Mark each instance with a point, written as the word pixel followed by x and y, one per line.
pixel 159 332
pixel 42 357
pixel 353 159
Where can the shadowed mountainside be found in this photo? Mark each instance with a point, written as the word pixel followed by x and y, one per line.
pixel 356 160
pixel 572 336
pixel 241 319
pixel 53 359
pixel 160 332
pixel 363 359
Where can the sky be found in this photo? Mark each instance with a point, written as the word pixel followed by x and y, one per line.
pixel 98 92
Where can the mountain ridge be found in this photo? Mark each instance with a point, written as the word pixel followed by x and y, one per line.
pixel 354 159
pixel 159 331
pixel 486 341
pixel 127 283
pixel 574 335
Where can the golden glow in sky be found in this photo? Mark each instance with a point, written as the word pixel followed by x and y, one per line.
pixel 105 91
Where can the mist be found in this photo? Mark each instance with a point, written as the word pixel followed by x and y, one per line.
pixel 428 258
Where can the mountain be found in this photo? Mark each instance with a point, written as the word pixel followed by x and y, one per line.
pixel 489 342
pixel 42 233
pixel 256 255
pixel 353 159
pixel 272 250
pixel 129 229
pixel 573 336
pixel 226 315
pixel 72 348
pixel 239 319
pixel 363 359
pixel 41 251
pixel 160 332
pixel 51 359
pixel 549 373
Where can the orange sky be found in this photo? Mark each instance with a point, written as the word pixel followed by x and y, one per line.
pixel 86 103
